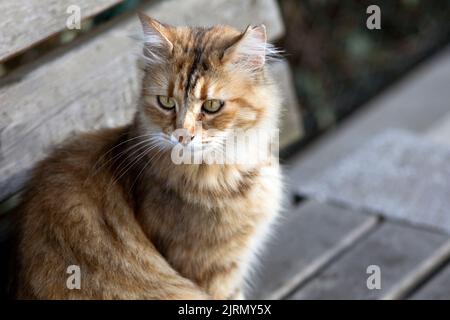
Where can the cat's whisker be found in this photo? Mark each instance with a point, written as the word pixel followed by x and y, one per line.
pixel 117 156
pixel 132 163
pixel 154 143
pixel 149 162
pixel 126 158
pixel 116 146
pixel 129 148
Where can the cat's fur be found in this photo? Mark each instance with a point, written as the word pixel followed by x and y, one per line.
pixel 138 225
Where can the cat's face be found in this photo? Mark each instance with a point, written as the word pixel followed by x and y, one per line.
pixel 200 85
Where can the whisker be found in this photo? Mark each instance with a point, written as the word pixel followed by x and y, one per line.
pixel 159 153
pixel 116 157
pixel 156 140
pixel 125 169
pixel 124 165
pixel 103 156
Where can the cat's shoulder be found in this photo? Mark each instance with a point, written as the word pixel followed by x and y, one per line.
pixel 75 160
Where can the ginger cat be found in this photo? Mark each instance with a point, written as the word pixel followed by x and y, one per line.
pixel 138 225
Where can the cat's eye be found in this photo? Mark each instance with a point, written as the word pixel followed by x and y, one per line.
pixel 212 105
pixel 166 102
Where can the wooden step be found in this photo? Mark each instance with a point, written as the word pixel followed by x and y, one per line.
pixel 308 238
pixel 394 248
pixel 437 288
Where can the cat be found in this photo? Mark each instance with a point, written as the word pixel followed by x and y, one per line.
pixel 139 226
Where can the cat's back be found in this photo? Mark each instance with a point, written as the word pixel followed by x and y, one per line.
pixel 61 218
pixel 78 168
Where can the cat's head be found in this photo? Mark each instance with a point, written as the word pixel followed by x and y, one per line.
pixel 205 83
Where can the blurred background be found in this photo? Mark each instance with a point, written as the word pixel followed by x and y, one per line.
pixel 338 64
pixel 365 134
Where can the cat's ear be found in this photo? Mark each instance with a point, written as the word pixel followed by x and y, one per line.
pixel 249 50
pixel 158 38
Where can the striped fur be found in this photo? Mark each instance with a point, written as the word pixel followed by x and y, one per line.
pixel 138 225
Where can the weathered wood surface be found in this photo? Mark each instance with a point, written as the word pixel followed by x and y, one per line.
pixel 440 132
pixel 397 174
pixel 415 103
pixel 437 288
pixel 95 84
pixel 26 22
pixel 421 274
pixel 418 103
pixel 308 238
pixel 291 125
pixel 394 248
pixel 408 256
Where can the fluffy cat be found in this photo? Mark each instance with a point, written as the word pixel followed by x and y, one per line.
pixel 138 225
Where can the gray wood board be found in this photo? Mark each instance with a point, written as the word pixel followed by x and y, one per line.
pixel 394 248
pixel 440 133
pixel 291 125
pixel 304 236
pixel 26 22
pixel 397 174
pixel 437 288
pixel 96 83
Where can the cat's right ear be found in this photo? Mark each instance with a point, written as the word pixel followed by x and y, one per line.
pixel 250 49
pixel 158 38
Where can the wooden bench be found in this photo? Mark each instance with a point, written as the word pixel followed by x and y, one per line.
pixel 93 81
pixel 322 249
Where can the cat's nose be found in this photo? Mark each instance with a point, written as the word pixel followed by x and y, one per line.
pixel 185 140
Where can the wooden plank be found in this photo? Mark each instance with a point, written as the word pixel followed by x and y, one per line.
pixel 413 104
pixel 307 239
pixel 440 132
pixel 26 22
pixel 421 274
pixel 96 83
pixel 291 126
pixel 396 249
pixel 436 289
pixel 397 174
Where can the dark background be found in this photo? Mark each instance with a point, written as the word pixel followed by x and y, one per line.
pixel 338 65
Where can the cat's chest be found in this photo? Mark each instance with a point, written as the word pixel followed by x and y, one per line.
pixel 170 219
pixel 184 227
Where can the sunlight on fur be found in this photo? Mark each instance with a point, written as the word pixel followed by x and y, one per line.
pixel 139 225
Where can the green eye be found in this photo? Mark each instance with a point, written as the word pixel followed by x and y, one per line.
pixel 213 105
pixel 166 102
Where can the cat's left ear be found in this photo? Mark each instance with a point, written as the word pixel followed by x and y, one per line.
pixel 250 48
pixel 158 38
